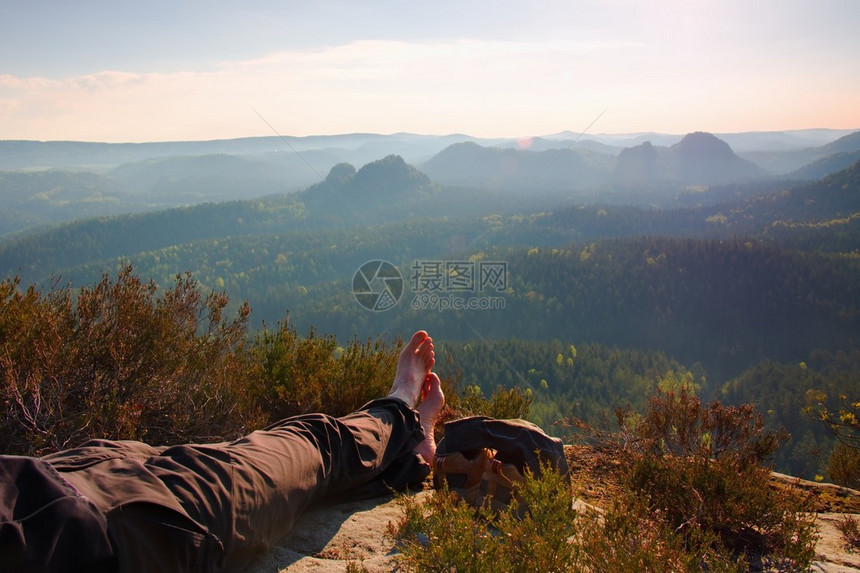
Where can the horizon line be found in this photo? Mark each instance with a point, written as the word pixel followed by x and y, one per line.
pixel 563 133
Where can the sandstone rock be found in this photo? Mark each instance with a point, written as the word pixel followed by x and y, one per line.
pixel 329 538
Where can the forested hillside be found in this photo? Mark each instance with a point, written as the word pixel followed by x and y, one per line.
pixel 595 305
pixel 32 199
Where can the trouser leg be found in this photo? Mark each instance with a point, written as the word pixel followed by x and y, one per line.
pixel 250 492
pixel 45 525
pixel 278 472
pixel 214 507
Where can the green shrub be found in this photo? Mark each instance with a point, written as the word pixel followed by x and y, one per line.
pixel 503 404
pixel 843 421
pixel 629 536
pixel 702 468
pixel 694 496
pixel 313 374
pixel 843 466
pixel 444 534
pixel 119 360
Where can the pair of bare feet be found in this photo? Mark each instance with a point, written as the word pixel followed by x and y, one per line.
pixel 416 384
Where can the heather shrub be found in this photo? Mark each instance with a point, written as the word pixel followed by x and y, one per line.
pixel 629 536
pixel 702 467
pixel 298 375
pixel 120 360
pixel 503 403
pixel 850 530
pixel 843 421
pixel 694 496
pixel 444 534
pixel 843 466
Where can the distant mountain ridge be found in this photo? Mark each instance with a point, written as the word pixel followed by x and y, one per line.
pixel 786 162
pixel 357 147
pixel 48 197
pixel 578 170
pixel 836 198
pixel 825 166
pixel 390 191
pixel 382 189
pixel 186 180
pixel 471 165
pixel 699 158
pixel 360 148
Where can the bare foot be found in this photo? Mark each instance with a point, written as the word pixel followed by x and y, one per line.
pixel 428 412
pixel 413 367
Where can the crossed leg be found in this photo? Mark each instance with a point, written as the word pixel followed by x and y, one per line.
pixel 415 380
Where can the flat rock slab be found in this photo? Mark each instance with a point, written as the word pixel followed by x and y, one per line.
pixel 330 538
pixel 833 556
pixel 335 537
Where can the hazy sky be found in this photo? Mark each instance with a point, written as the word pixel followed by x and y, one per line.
pixel 198 69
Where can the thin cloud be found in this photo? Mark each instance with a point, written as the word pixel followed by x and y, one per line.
pixel 378 77
pixel 497 88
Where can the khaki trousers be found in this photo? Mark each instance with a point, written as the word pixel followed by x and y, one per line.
pixel 207 507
